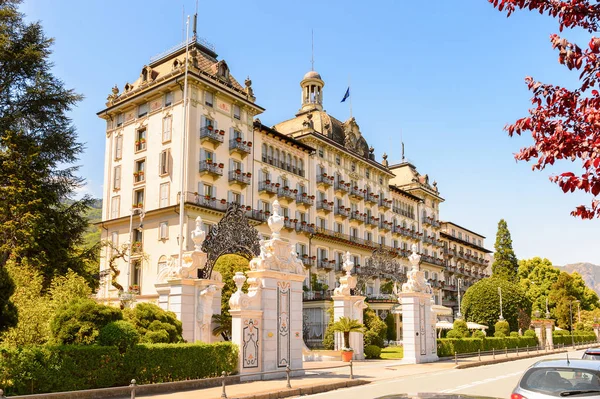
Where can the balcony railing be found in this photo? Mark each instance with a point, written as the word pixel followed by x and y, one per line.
pixel 325 180
pixel 382 298
pixel 403 212
pixel 325 264
pixel 385 203
pixel 356 215
pixel 211 134
pixel 405 232
pixel 316 295
pixel 242 147
pixel 210 168
pixel 324 205
pixel 371 198
pixel 342 187
pixel 307 261
pixel 285 193
pixel 267 187
pixel 206 201
pixel 355 193
pixel 371 221
pixel 384 225
pixel 341 211
pixel 432 260
pixel 302 199
pixel 240 178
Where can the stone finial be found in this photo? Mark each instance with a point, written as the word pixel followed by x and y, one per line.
pixel 371 149
pixel 239 279
pixel 414 258
pixel 115 90
pixel 276 221
pixel 385 161
pixel 249 90
pixel 198 235
pixel 348 264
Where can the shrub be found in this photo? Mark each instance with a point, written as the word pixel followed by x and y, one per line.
pixel 449 346
pixel 371 338
pixel 503 327
pixel 121 334
pixel 530 333
pixel 558 333
pixel 372 352
pixel 154 324
pixel 481 303
pixel 460 326
pixel 499 334
pixel 80 321
pixel 454 334
pixel 391 327
pixel 514 334
pixel 478 334
pixel 377 326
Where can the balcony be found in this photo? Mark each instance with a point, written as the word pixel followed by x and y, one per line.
pixel 289 224
pixel 432 260
pixel 371 221
pixel 357 216
pixel 240 178
pixel 384 203
pixel 304 199
pixel 382 298
pixel 304 228
pixel 406 232
pixel 355 194
pixel 341 212
pixel 267 187
pixel 371 198
pixel 324 180
pixel 384 225
pixel 325 264
pixel 286 193
pixel 140 145
pixel 342 187
pixel 403 212
pixel 431 221
pixel 137 248
pixel 211 168
pixel 241 147
pixel 208 133
pixel 138 176
pixel 324 206
pixel 316 295
pixel 307 261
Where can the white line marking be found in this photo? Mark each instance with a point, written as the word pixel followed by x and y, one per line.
pixel 481 382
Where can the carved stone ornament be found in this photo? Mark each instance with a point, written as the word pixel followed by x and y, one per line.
pixel 347 282
pixel 416 277
pixel 232 235
pixel 240 300
pixel 192 260
pixel 276 254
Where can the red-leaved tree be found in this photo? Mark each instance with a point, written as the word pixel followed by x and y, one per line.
pixel 565 124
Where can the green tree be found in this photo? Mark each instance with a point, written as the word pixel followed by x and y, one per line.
pixel 564 293
pixel 37 144
pixel 536 276
pixel 222 326
pixel 375 328
pixel 228 265
pixel 8 310
pixel 505 262
pixel 481 303
pixel 154 324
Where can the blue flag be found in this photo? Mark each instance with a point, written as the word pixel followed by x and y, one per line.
pixel 346 95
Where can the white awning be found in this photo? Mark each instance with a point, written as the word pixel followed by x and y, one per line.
pixel 475 326
pixel 443 325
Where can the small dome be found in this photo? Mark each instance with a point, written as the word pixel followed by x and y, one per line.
pixel 312 75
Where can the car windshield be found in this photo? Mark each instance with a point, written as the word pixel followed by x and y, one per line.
pixel 592 356
pixel 559 381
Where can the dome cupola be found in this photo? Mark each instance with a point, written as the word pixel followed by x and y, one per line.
pixel 312 92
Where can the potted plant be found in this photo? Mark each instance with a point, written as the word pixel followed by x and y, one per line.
pixel 248 208
pixel 249 144
pixel 142 141
pixel 221 165
pixel 210 128
pixel 238 171
pixel 209 161
pixel 238 139
pixel 267 181
pixel 222 132
pixel 223 200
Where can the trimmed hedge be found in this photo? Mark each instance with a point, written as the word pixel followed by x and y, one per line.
pixel 566 339
pixel 448 346
pixel 45 369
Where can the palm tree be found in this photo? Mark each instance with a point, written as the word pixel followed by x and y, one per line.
pixel 223 325
pixel 347 325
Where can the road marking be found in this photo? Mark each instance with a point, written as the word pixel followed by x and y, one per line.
pixel 481 382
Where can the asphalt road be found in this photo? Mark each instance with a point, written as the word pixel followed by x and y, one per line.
pixel 496 380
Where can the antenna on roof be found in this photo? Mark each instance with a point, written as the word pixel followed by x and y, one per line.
pixel 568 362
pixel 195 19
pixel 182 22
pixel 402 141
pixel 312 50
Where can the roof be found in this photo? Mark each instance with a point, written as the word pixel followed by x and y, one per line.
pixel 312 75
pixel 405 193
pixel 463 242
pixel 464 228
pixel 287 139
pixel 570 363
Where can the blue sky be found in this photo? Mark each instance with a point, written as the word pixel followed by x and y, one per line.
pixel 446 75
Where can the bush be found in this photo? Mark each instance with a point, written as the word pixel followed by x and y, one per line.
pixel 454 334
pixel 503 327
pixel 530 333
pixel 372 338
pixel 478 334
pixel 375 325
pixel 577 338
pixel 460 326
pixel 514 334
pixel 154 324
pixel 449 346
pixel 45 369
pixel 499 334
pixel 121 334
pixel 372 352
pixel 558 333
pixel 80 321
pixel 481 303
pixel 391 327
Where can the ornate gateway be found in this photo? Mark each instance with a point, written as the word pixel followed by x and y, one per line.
pixel 232 235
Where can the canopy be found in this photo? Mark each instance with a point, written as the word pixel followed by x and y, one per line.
pixel 475 326
pixel 443 325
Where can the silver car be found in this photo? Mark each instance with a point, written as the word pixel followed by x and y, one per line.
pixel 560 378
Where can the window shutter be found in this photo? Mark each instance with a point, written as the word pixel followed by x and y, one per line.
pixel 231 133
pixel 242 199
pixel 200 188
pixel 214 191
pixel 231 165
pixel 215 124
pixel 202 121
pixel 260 175
pixel 229 196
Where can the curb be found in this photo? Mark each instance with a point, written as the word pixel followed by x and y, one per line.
pixel 308 390
pixel 504 360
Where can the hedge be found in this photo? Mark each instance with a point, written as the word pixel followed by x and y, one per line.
pixel 566 339
pixel 449 346
pixel 45 369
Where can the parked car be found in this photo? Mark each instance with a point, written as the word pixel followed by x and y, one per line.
pixel 592 354
pixel 559 378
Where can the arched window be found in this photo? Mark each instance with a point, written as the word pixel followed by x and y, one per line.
pixel 277 157
pixel 271 154
pixel 264 152
pixel 301 165
pixel 295 164
pixel 289 160
pixel 162 264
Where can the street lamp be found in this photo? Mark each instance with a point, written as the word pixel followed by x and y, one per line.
pixel 459 315
pixel 571 317
pixel 578 313
pixel 130 243
pixel 500 293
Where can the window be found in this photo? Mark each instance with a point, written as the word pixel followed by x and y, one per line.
pixel 236 198
pixel 139 171
pixel 209 191
pixel 163 231
pixel 354 232
pixel 321 152
pixel 206 227
pixel 382 240
pixel 140 139
pixel 138 198
pixel 208 99
pixel 453 233
pixel 163 162
pixel 236 134
pixel 264 206
pixel 459 235
pixel 118 147
pixel 164 195
pixel 321 223
pixel 380 180
pixel 479 242
pixel 166 128
pixel 264 152
pixel 236 165
pixel 339 228
pixel 168 99
pixel 338 161
pixel 117 178
pixel 120 120
pixel 322 253
pixel 303 217
pixel 142 110
pixel 206 155
pixel 114 241
pixel 135 274
pixel 115 204
pixel 367 173
pixel 237 113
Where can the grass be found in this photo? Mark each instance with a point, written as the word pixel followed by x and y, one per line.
pixel 392 352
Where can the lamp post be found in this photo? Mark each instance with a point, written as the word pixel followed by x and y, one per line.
pixel 578 312
pixel 547 311
pixel 571 324
pixel 500 293
pixel 459 315
pixel 142 214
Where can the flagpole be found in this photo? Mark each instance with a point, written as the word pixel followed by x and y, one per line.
pixel 350 97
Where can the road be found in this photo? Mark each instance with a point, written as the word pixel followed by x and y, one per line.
pixel 496 380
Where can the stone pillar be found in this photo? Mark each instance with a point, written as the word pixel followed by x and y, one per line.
pixel 349 306
pixel 543 331
pixel 267 321
pixel 193 300
pixel 597 331
pixel 419 340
